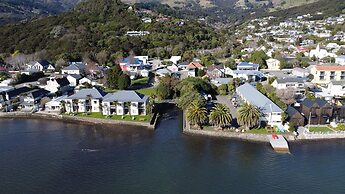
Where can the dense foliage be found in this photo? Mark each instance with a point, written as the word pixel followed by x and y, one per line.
pixel 98 25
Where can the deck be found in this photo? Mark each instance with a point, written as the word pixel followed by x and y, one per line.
pixel 278 142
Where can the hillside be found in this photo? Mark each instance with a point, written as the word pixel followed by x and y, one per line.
pixel 16 10
pixel 225 13
pixel 98 25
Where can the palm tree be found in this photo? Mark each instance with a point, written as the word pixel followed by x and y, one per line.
pixel 70 106
pixel 75 104
pixel 115 103
pixel 88 102
pixel 150 105
pixel 248 115
pixel 196 114
pixel 62 106
pixel 128 105
pixel 220 115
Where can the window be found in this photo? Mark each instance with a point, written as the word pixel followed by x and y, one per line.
pixel 332 76
pixel 322 73
pixel 322 77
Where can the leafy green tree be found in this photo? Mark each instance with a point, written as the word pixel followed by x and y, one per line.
pixel 259 57
pixel 230 63
pixel 248 115
pixel 271 79
pixel 113 75
pixel 220 115
pixel 184 101
pixel 292 127
pixel 196 114
pixel 124 81
pixel 166 89
pixel 163 91
pixel 223 89
pixel 201 73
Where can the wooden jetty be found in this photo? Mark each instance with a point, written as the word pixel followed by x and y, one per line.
pixel 278 142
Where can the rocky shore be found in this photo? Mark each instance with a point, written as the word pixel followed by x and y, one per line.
pixel 75 119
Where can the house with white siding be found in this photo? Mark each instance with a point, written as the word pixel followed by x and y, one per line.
pixel 125 103
pixel 272 114
pixel 85 100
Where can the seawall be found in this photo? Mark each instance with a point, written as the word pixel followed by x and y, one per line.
pixel 76 119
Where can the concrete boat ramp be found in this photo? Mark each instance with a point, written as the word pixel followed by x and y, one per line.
pixel 278 142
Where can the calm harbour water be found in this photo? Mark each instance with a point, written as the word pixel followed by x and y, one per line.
pixel 38 156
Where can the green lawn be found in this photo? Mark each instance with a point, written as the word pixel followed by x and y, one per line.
pixel 319 129
pixel 141 118
pixel 262 131
pixel 140 81
pixel 147 91
pixel 109 90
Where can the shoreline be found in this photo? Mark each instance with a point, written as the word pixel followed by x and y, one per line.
pixel 258 138
pixel 75 119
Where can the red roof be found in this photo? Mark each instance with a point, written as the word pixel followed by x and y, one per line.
pixel 194 65
pixel 330 68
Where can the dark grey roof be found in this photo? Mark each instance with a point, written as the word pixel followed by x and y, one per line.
pixel 254 97
pixel 125 96
pixel 309 103
pixel 290 80
pixel 75 66
pixel 71 67
pixel 291 111
pixel 83 93
pixel 38 93
pixel 16 92
pixel 62 81
pixel 44 63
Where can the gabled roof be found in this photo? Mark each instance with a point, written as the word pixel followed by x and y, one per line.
pixel 44 63
pixel 246 64
pixel 330 67
pixel 62 81
pixel 125 96
pixel 131 61
pixel 290 80
pixel 16 92
pixel 38 93
pixel 310 103
pixel 291 111
pixel 71 67
pixel 254 97
pixel 83 93
pixel 213 67
pixel 194 65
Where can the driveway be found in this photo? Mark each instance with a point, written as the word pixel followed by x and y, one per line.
pixel 227 101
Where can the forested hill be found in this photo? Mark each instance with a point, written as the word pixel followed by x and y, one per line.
pixel 101 25
pixel 16 10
